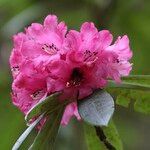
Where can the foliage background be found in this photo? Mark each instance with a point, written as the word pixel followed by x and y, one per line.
pixel 131 17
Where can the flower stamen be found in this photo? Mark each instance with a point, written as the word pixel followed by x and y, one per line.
pixel 37 94
pixel 76 78
pixel 50 49
pixel 90 56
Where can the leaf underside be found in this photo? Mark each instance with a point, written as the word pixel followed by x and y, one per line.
pixel 97 109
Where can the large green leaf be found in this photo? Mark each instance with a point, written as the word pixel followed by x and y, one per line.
pixel 48 107
pixel 143 79
pixel 102 138
pixel 112 136
pixel 49 104
pixel 97 108
pixel 26 133
pixel 46 137
pixel 92 140
pixel 142 101
pixel 129 85
pixel 135 88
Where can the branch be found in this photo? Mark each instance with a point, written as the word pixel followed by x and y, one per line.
pixel 103 138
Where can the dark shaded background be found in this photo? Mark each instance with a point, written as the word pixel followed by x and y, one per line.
pixel 131 17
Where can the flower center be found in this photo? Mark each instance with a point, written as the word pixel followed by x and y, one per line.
pixel 37 94
pixel 90 56
pixel 50 49
pixel 76 78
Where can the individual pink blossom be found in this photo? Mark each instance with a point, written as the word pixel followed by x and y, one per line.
pixel 28 91
pixel 46 59
pixel 32 52
pixel 40 42
pixel 123 53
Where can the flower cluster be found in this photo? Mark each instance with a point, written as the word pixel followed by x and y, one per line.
pixel 46 59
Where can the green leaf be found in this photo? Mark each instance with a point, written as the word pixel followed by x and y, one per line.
pixel 112 135
pixel 47 135
pixel 122 100
pixel 142 103
pixel 97 108
pixel 140 94
pixel 129 85
pixel 26 133
pixel 49 104
pixel 102 138
pixel 92 140
pixel 143 79
pixel 136 82
pixel 49 107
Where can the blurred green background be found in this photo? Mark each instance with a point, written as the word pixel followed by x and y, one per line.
pixel 131 17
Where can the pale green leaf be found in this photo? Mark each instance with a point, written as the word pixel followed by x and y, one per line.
pixel 97 109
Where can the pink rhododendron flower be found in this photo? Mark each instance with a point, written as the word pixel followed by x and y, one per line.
pixel 32 51
pixel 90 61
pixel 46 59
pixel 40 43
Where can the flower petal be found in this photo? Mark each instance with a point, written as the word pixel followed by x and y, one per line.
pixel 71 110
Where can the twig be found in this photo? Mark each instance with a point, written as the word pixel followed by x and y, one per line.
pixel 103 138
